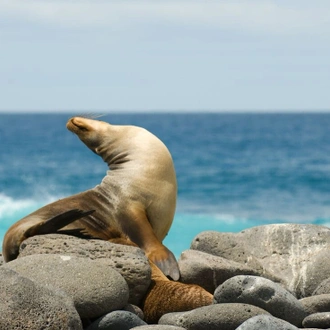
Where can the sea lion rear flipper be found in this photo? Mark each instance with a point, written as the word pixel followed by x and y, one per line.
pixel 52 225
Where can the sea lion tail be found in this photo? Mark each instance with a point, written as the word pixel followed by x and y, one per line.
pixel 54 224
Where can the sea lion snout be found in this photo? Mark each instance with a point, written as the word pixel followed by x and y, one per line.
pixel 89 131
pixel 76 124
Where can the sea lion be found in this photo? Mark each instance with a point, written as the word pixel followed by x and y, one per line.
pixel 136 199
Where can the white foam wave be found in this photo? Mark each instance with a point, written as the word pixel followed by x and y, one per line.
pixel 10 207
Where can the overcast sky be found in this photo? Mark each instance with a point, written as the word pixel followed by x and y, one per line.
pixel 62 55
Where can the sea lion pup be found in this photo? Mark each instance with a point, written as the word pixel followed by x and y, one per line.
pixel 136 199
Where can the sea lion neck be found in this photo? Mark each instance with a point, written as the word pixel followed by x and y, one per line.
pixel 114 157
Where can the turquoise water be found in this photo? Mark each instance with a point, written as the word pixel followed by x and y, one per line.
pixel 234 171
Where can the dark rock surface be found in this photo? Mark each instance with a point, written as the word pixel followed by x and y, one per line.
pixel 95 288
pixel 264 293
pixel 129 261
pixel 286 253
pixel 25 304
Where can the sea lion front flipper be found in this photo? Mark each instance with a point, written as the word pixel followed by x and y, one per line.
pixel 52 225
pixel 165 260
pixel 139 230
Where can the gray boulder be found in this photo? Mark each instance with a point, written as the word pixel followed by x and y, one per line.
pixel 266 322
pixel 209 271
pixel 129 261
pixel 317 320
pixel 95 288
pixel 213 317
pixel 264 293
pixel 316 304
pixel 117 320
pixel 284 253
pixel 24 304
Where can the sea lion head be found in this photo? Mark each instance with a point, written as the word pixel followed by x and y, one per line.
pixel 91 132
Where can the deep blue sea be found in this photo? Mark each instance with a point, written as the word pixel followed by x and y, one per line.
pixel 234 171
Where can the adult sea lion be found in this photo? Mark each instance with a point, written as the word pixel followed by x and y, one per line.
pixel 135 201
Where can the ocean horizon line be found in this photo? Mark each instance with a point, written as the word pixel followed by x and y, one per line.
pixel 164 111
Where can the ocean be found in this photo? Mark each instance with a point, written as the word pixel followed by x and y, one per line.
pixel 234 171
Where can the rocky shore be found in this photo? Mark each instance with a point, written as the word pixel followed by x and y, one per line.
pixel 266 277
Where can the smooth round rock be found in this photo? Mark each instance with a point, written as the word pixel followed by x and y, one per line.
pixel 135 310
pixel 25 304
pixel 316 304
pixel 209 271
pixel 261 292
pixel 213 317
pixel 95 288
pixel 266 322
pixel 317 320
pixel 117 320
pixel 129 261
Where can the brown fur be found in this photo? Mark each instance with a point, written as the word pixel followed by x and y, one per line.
pixel 165 296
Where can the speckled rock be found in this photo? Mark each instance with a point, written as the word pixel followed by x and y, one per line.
pixel 284 253
pixel 264 293
pixel 317 320
pixel 158 327
pixel 95 288
pixel 207 270
pixel 266 322
pixel 316 304
pixel 213 317
pixel 129 261
pixel 117 320
pixel 24 304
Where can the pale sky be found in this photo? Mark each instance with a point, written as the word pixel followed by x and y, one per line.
pixel 163 55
